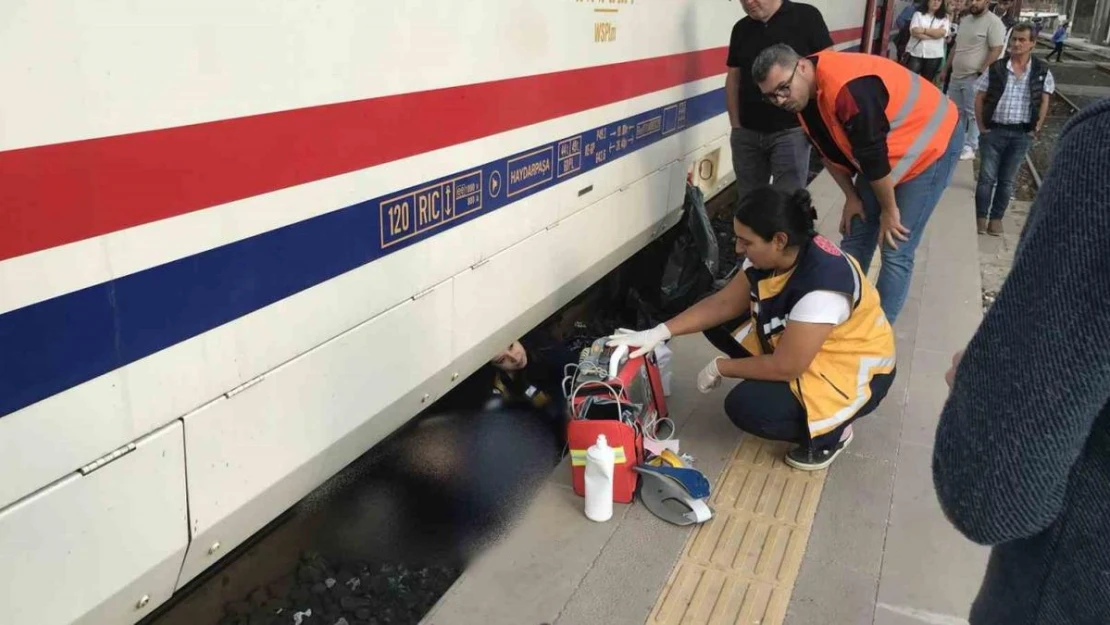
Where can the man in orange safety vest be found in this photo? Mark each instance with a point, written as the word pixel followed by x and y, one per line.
pixel 890 139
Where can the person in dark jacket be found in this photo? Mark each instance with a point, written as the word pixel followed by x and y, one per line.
pixel 1022 454
pixel 1058 39
pixel 527 374
pixel 1011 104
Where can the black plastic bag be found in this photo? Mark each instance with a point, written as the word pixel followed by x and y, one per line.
pixel 669 275
pixel 690 267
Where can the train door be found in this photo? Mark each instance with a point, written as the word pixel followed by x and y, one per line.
pixel 868 36
pixel 879 25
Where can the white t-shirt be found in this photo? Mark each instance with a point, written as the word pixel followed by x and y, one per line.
pixel 927 48
pixel 831 307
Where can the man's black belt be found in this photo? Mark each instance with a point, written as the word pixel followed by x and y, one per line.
pixel 1020 127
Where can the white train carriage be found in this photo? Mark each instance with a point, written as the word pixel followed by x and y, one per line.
pixel 243 242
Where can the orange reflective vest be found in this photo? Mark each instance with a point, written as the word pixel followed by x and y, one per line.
pixel 921 118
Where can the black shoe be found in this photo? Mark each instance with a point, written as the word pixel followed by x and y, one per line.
pixel 804 458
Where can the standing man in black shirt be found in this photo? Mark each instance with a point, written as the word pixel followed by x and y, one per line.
pixel 1004 10
pixel 767 141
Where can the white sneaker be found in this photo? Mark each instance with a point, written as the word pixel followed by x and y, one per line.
pixel 968 154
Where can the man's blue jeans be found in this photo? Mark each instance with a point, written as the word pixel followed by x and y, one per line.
pixel 1001 152
pixel 916 200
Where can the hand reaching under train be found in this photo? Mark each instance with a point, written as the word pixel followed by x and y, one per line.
pixel 645 340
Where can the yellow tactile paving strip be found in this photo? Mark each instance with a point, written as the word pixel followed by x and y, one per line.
pixel 740 566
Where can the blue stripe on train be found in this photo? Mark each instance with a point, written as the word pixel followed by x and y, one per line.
pixel 59 343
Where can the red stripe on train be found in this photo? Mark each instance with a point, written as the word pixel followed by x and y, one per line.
pixel 846 35
pixel 57 194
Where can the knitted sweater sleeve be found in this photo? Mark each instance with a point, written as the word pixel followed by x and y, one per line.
pixel 1037 372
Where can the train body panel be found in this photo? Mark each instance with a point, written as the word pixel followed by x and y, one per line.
pixel 276 232
pixel 90 547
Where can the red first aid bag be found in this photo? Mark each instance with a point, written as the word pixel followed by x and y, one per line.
pixel 619 408
pixel 628 449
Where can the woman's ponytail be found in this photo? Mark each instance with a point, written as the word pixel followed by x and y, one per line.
pixel 767 211
pixel 801 202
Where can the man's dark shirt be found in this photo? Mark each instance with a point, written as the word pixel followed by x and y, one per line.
pixel 1008 20
pixel 798 25
pixel 861 110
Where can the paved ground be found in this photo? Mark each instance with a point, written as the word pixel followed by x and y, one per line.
pixel 996 254
pixel 880 551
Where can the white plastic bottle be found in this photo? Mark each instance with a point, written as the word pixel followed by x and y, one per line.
pixel 600 459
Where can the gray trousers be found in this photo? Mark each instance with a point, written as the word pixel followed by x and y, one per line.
pixel 757 157
pixel 962 92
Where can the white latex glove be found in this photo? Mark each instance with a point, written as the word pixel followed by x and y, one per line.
pixel 710 377
pixel 646 340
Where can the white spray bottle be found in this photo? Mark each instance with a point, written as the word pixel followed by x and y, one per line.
pixel 600 459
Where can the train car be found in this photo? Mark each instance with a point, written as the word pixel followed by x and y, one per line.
pixel 242 242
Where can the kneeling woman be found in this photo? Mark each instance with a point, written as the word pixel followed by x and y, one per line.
pixel 817 351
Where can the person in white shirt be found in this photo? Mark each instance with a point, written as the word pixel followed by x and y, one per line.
pixel 928 30
pixel 817 352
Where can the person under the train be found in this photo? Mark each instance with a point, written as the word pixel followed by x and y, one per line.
pixel 818 352
pixel 535 382
pixel 527 374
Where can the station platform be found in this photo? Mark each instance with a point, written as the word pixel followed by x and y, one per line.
pixel 863 542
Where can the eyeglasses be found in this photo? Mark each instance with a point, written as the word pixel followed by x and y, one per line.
pixel 783 90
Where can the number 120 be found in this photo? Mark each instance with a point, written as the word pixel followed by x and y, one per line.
pixel 398 218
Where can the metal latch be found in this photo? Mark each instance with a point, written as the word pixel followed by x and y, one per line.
pixel 244 386
pixel 107 459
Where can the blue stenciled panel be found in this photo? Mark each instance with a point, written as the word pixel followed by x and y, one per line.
pixel 570 157
pixel 521 175
pixel 429 207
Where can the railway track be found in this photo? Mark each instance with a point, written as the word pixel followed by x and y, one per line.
pixel 1082 69
pixel 1072 108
